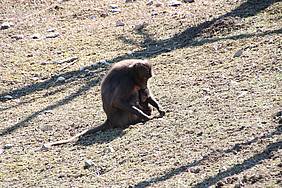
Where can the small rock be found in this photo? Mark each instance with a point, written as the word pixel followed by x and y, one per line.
pixel 60 79
pixel 237 185
pixel 195 170
pixel 200 134
pixel 6 25
pixel 81 68
pixel 188 1
pixel 93 18
pixel 140 26
pixel 104 14
pixel 8 146
pixel 129 53
pixel 1 151
pixel 50 30
pixel 175 3
pixel 53 35
pixel 35 36
pixel 103 62
pixel 238 53
pixel 88 163
pixel 154 13
pixel 219 184
pixel 129 1
pixel 45 147
pixel 8 97
pixel 158 4
pixel 115 10
pixel 114 6
pixel 243 93
pixel 18 37
pixel 119 23
pixel 150 2
pixel 109 150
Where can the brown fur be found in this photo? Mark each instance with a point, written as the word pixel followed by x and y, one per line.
pixel 121 90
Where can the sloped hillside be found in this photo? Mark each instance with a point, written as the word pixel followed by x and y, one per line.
pixel 217 66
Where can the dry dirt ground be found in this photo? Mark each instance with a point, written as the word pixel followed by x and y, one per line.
pixel 217 67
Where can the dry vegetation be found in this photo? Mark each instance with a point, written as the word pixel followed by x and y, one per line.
pixel 218 129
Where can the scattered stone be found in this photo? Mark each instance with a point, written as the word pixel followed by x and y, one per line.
pixel 35 36
pixel 104 14
pixel 50 30
pixel 8 97
pixel 88 163
pixel 141 26
pixel 119 23
pixel 60 79
pixel 158 4
pixel 175 3
pixel 149 2
pixel 115 10
pixel 103 62
pixel 45 147
pixel 94 18
pixel 243 93
pixel 67 60
pixel 238 53
pixel 1 151
pixel 154 13
pixel 195 170
pixel 219 184
pixel 8 146
pixel 109 149
pixel 114 6
pixel 53 35
pixel 18 37
pixel 200 133
pixel 188 1
pixel 6 25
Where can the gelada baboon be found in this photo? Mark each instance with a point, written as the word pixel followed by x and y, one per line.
pixel 125 97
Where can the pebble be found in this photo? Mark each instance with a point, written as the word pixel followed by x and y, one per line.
pixel 140 26
pixel 60 79
pixel 238 53
pixel 175 3
pixel 8 97
pixel 103 62
pixel 119 23
pixel 150 2
pixel 8 146
pixel 53 35
pixel 6 25
pixel 189 1
pixel 88 163
pixel 35 36
pixel 18 37
pixel 51 30
pixel 158 4
pixel 154 13
pixel 115 10
pixel 114 6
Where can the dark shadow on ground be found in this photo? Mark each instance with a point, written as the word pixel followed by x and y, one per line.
pixel 64 101
pixel 100 137
pixel 184 39
pixel 236 169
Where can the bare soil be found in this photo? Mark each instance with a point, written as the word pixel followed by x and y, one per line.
pixel 218 75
